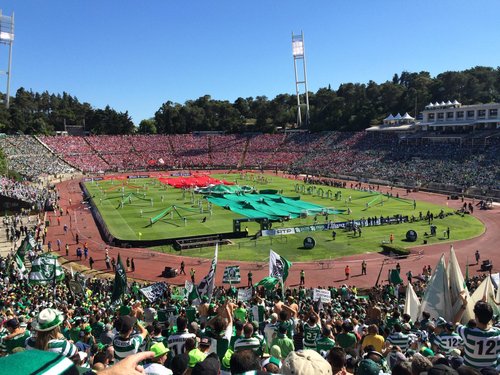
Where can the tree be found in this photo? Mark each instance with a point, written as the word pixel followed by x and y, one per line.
pixel 147 126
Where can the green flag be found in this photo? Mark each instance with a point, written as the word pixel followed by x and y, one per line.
pixel 268 282
pixel 45 269
pixel 394 277
pixel 278 266
pixel 120 283
pixel 20 265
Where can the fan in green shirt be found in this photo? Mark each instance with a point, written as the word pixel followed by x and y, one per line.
pixel 240 313
pixel 326 341
pixel 346 339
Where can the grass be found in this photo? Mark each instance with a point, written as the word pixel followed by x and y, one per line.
pixel 127 223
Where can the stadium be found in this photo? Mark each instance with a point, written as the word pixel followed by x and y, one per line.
pixel 326 232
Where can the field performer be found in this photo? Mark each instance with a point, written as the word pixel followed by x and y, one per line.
pixel 363 267
pixel 334 235
pixel 302 277
pixel 347 272
pixel 182 272
pixel 250 276
pixel 391 238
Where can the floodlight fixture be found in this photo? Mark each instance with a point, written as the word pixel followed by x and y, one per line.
pixel 7 38
pixel 299 58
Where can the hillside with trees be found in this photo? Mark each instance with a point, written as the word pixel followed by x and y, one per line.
pixel 352 107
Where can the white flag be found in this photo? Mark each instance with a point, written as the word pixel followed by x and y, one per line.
pixel 206 286
pixel 412 303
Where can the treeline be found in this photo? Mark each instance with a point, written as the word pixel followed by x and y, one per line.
pixel 353 106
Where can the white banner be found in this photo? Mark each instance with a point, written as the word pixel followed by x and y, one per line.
pixel 155 291
pixel 245 294
pixel 322 294
pixel 278 232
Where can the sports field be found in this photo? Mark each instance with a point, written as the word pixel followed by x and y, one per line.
pixel 128 206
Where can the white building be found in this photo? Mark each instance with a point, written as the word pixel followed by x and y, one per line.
pixel 453 116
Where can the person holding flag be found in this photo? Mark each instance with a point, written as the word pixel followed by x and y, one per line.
pixel 120 283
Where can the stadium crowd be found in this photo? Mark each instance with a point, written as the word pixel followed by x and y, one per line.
pixel 28 157
pixel 358 154
pixel 282 331
pixel 26 192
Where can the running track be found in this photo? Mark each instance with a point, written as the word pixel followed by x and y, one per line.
pixel 150 264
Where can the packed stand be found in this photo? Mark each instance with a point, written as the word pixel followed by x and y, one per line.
pixel 276 331
pixel 28 157
pixel 38 197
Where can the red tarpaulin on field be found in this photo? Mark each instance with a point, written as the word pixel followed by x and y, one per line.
pixel 188 182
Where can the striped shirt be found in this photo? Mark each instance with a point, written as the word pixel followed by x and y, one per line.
pixel 482 347
pixel 400 339
pixel 446 342
pixel 62 347
pixel 124 348
pixel 176 342
pixel 19 340
pixel 243 343
pixel 311 333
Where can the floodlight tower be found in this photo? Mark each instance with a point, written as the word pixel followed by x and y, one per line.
pixel 7 38
pixel 299 59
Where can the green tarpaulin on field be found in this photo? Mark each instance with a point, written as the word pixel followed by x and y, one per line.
pixel 272 206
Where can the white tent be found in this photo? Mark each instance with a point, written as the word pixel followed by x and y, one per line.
pixel 397 117
pixel 389 118
pixel 406 116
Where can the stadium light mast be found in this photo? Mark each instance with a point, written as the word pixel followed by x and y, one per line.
pixel 7 38
pixel 299 61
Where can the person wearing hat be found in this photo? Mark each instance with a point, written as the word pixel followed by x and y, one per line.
pixel 272 365
pixel 447 340
pixel 15 338
pixel 306 362
pixel 86 336
pixel 124 343
pixel 197 354
pixel 156 366
pixel 48 334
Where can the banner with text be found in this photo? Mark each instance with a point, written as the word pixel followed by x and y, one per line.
pixel 245 294
pixel 155 291
pixel 322 294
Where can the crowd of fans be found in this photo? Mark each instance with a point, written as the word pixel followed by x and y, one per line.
pixel 28 157
pixel 276 331
pixel 38 197
pixel 357 154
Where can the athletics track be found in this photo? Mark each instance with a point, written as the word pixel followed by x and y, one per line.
pixel 150 264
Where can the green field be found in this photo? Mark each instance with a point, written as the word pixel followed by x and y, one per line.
pixel 127 222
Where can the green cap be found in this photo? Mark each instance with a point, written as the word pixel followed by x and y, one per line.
pixel 159 349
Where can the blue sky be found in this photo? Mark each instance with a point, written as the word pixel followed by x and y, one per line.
pixel 136 55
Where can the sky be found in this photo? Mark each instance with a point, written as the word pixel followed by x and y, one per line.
pixel 136 55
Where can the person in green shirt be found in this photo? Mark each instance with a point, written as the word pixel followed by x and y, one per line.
pixel 16 337
pixel 240 313
pixel 283 341
pixel 325 342
pixel 347 339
